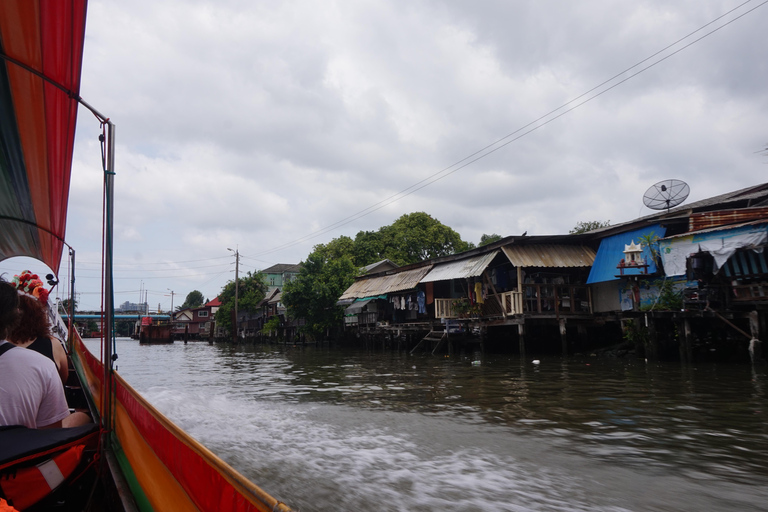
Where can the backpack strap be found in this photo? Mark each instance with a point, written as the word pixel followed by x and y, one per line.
pixel 5 347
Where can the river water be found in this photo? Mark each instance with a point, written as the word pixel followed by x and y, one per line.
pixel 329 429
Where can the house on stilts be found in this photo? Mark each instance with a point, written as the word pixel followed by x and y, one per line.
pixel 683 283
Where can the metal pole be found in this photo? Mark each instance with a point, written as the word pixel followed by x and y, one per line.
pixel 237 286
pixel 109 306
pixel 71 322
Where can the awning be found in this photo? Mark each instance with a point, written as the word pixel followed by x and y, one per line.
pixel 373 286
pixel 611 252
pixel 460 269
pixel 550 255
pixel 41 53
pixel 721 243
pixel 356 307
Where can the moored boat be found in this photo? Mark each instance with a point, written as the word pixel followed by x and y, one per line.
pixel 132 457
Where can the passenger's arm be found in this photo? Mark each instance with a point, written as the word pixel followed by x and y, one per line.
pixel 60 356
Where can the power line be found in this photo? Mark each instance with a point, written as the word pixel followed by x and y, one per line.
pixel 490 149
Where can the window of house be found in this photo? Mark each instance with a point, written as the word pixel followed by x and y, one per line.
pixel 202 313
pixel 272 281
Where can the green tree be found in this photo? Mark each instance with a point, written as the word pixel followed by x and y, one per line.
pixel 312 295
pixel 368 248
pixel 584 226
pixel 194 300
pixel 488 239
pixel 66 304
pixel 417 237
pixel 251 291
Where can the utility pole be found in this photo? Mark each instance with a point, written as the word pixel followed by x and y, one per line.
pixel 171 299
pixel 237 285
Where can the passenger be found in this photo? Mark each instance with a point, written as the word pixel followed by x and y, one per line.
pixel 31 393
pixel 34 332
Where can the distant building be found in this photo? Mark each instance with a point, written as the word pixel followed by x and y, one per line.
pixel 277 275
pixel 132 306
pixel 197 323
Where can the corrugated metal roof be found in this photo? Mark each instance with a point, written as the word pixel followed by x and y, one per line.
pixel 718 228
pixel 369 287
pixel 550 255
pixel 460 269
pixel 706 220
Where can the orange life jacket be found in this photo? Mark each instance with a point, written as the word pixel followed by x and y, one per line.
pixel 26 486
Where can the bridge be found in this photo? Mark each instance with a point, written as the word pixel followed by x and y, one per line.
pixel 118 316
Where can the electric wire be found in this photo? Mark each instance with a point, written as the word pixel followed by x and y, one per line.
pixel 490 149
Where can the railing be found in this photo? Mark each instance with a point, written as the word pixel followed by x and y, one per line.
pixel 750 292
pixel 557 298
pixel 534 299
pixel 444 308
pixel 366 318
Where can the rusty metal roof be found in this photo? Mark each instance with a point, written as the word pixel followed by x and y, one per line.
pixel 715 229
pixel 379 285
pixel 460 269
pixel 549 255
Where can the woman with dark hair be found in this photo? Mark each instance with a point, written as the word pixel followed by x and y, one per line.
pixel 33 331
pixel 31 393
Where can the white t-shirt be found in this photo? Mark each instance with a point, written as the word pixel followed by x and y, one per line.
pixel 31 393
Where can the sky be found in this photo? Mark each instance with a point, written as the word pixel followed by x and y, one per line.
pixel 270 127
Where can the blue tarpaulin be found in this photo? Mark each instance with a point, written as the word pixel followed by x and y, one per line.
pixel 611 252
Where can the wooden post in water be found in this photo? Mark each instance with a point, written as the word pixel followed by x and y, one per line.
pixel 684 335
pixel 652 342
pixel 755 345
pixel 521 338
pixel 563 337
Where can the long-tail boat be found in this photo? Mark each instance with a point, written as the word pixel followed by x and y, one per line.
pixel 132 457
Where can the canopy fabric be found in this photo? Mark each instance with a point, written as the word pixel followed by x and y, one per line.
pixel 549 255
pixel 611 252
pixel 721 243
pixel 460 269
pixel 356 307
pixel 41 52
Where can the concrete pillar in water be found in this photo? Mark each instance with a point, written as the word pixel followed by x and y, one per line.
pixel 755 345
pixel 563 337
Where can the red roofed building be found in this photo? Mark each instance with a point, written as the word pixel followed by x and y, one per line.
pixel 197 323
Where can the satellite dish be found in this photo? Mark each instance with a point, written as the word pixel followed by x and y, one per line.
pixel 666 194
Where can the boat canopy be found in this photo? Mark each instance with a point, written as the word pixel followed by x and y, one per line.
pixel 41 53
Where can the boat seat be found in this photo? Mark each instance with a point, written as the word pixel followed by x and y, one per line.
pixel 17 442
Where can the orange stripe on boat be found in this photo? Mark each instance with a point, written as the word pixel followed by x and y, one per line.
pixel 210 482
pixel 159 485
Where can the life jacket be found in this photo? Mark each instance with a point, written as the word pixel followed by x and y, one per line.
pixel 5 507
pixel 38 462
pixel 26 486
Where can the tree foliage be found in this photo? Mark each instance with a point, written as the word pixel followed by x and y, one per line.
pixel 312 295
pixel 251 291
pixel 417 237
pixel 194 300
pixel 67 303
pixel 488 239
pixel 585 226
pixel 331 268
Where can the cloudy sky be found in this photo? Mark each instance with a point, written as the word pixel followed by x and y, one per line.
pixel 269 127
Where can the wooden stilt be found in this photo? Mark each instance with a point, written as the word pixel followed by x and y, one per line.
pixel 521 338
pixel 755 345
pixel 563 337
pixel 684 328
pixel 652 342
